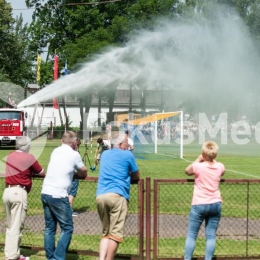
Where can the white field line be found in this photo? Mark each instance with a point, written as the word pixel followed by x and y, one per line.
pixel 227 170
pixel 145 151
pixel 241 173
pixel 162 154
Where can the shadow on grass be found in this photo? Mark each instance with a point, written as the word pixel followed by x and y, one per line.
pixel 81 209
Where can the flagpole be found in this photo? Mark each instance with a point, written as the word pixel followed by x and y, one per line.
pixel 55 77
pixel 66 72
pixel 38 82
pixel 38 78
pixel 39 60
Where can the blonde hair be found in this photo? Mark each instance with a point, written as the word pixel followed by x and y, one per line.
pixel 69 137
pixel 210 150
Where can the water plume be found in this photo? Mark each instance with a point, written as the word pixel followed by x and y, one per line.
pixel 210 63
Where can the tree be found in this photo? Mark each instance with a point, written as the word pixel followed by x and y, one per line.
pixel 6 24
pixel 16 60
pixel 74 31
pixel 22 59
pixel 57 24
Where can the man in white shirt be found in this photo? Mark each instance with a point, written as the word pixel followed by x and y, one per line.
pixel 65 164
pixel 130 141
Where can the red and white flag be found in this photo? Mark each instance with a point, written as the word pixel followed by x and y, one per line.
pixel 55 77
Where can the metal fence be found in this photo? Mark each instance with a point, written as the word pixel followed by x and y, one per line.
pixel 87 225
pixel 238 235
pixel 156 225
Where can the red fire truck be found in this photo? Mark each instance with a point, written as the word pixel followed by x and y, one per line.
pixel 12 125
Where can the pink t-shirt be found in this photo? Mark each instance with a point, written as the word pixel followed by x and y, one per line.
pixel 206 182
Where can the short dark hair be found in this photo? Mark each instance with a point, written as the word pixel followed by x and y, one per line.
pixel 99 140
pixel 69 137
pixel 126 132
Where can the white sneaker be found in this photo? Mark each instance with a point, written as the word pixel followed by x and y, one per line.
pixel 74 214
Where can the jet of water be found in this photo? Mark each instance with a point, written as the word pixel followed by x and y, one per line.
pixel 211 63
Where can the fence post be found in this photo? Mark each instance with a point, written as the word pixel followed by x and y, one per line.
pixel 247 217
pixel 155 218
pixel 141 219
pixel 148 218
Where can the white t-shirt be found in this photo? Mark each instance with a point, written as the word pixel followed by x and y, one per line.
pixel 105 146
pixel 130 143
pixel 63 163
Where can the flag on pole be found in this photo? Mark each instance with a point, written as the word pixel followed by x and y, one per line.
pixel 66 71
pixel 55 103
pixel 56 67
pixel 38 68
pixel 55 77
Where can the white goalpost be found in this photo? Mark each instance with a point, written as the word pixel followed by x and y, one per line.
pixel 181 132
pixel 159 133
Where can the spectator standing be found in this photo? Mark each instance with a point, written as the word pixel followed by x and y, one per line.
pixel 130 141
pixel 20 168
pixel 14 105
pixel 117 169
pixel 74 187
pixel 72 195
pixel 108 131
pixel 102 145
pixel 206 202
pixel 9 102
pixel 56 186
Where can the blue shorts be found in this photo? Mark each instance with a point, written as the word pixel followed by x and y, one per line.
pixel 74 187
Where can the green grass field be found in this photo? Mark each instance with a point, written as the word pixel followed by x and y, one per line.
pixel 241 162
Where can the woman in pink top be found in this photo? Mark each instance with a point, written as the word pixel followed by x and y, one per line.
pixel 206 202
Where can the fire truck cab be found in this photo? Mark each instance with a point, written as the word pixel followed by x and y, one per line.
pixel 12 125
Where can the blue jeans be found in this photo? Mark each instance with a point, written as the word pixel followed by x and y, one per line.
pixel 211 213
pixel 74 187
pixel 57 210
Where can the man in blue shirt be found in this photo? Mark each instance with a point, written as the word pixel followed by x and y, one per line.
pixel 117 169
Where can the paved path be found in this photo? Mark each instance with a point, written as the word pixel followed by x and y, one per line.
pixel 168 226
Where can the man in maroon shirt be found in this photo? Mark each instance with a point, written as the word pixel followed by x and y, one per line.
pixel 20 168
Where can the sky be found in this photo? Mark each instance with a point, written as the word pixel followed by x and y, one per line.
pixel 19 6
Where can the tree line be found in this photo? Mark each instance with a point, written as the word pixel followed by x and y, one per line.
pixel 78 29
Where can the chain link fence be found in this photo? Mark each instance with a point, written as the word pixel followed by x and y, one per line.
pixel 87 225
pixel 157 220
pixel 238 234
